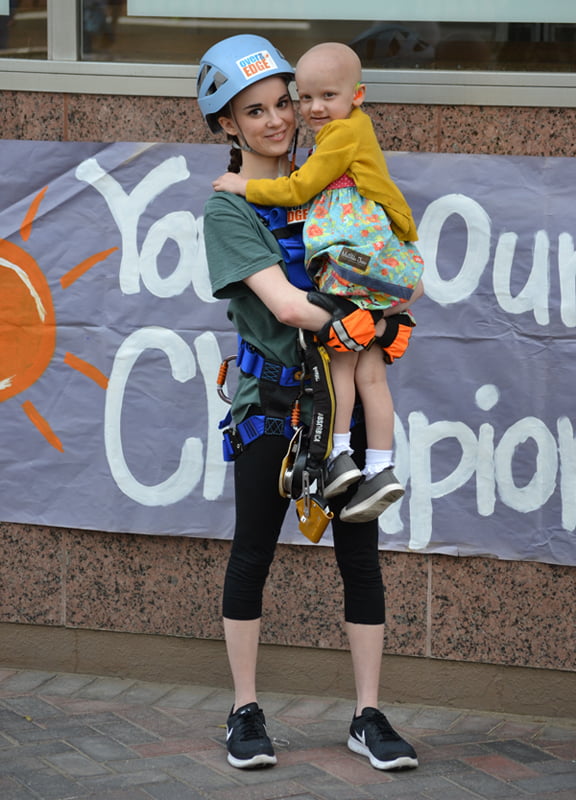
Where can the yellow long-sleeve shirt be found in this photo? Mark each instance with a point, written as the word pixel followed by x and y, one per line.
pixel 343 146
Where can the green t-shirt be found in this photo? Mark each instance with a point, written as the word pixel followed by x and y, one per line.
pixel 239 245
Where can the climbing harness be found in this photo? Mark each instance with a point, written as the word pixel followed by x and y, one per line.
pixel 279 388
pixel 301 473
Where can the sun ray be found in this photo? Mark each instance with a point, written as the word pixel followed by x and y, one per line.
pixel 79 270
pixel 26 226
pixel 87 369
pixel 43 426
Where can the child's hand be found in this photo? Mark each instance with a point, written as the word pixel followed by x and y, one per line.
pixel 230 182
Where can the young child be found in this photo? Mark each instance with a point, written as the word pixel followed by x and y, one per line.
pixel 359 235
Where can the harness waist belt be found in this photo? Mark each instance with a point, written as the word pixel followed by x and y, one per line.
pixel 238 437
pixel 250 361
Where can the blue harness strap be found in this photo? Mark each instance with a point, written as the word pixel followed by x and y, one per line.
pixel 236 438
pixel 289 237
pixel 253 362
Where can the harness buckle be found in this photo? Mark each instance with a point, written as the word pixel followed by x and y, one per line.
pixel 233 444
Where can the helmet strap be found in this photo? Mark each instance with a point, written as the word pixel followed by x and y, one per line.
pixel 241 143
pixel 293 152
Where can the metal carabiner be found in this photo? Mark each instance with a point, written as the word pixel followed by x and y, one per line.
pixel 221 379
pixel 306 492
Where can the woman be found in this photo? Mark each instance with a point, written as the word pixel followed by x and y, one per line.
pixel 243 91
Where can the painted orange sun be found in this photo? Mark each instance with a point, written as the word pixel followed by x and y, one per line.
pixel 28 322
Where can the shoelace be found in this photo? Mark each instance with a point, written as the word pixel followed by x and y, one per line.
pixel 251 725
pixel 385 731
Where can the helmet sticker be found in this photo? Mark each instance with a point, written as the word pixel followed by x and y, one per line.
pixel 256 64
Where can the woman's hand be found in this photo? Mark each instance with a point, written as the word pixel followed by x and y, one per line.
pixel 230 182
pixel 350 327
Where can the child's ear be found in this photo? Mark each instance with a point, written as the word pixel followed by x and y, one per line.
pixel 359 94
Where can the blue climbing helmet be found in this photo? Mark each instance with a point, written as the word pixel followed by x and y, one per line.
pixel 232 65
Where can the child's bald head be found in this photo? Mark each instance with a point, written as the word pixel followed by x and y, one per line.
pixel 334 58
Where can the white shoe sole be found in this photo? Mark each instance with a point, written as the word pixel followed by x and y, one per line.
pixel 373 506
pixel 402 762
pixel 260 760
pixel 341 483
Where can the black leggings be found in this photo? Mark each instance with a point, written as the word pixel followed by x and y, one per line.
pixel 260 512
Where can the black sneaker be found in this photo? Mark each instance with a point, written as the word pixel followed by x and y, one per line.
pixel 372 735
pixel 246 739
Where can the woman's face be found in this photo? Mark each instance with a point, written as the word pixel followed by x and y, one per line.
pixel 263 117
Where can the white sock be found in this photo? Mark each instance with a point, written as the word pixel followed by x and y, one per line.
pixel 340 444
pixel 377 461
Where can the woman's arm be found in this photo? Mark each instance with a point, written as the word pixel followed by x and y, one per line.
pixel 343 329
pixel 288 303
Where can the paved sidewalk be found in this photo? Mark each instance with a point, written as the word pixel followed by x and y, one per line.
pixel 80 736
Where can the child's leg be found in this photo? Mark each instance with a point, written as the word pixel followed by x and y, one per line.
pixel 341 471
pixel 372 386
pixel 343 369
pixel 380 487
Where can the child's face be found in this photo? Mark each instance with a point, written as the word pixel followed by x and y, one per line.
pixel 325 94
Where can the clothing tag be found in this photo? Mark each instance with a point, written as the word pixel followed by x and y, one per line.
pixel 357 260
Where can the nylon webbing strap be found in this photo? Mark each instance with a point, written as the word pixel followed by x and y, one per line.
pixel 237 438
pixel 324 402
pixel 252 362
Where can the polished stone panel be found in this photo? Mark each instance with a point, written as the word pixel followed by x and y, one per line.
pixel 32 575
pixel 506 131
pixel 33 115
pixel 110 118
pixel 145 584
pixel 503 612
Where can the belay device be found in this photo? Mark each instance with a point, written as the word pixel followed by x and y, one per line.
pixel 301 474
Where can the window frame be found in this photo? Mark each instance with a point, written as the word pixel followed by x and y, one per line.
pixel 63 71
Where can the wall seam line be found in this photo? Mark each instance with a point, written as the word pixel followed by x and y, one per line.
pixel 429 611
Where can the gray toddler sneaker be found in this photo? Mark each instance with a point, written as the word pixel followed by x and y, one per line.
pixel 372 497
pixel 339 474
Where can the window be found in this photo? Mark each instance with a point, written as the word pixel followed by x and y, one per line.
pixel 440 52
pixel 23 29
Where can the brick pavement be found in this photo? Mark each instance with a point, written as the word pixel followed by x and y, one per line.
pixel 65 736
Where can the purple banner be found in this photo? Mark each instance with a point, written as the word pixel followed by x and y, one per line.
pixel 110 344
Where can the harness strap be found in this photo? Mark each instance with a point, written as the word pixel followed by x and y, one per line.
pixel 288 234
pixel 252 362
pixel 236 438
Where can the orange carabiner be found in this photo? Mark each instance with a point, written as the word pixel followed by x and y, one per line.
pixel 295 415
pixel 221 379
